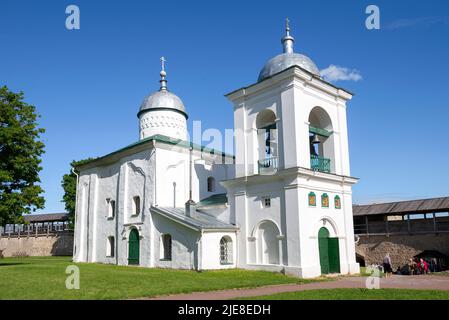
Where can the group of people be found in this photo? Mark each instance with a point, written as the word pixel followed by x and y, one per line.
pixel 419 266
pixel 413 267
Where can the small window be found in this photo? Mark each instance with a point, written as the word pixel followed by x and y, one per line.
pixel 111 208
pixel 110 247
pixel 166 247
pixel 266 202
pixel 337 202
pixel 325 200
pixel 312 199
pixel 136 205
pixel 225 250
pixel 211 184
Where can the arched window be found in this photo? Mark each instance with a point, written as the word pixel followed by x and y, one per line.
pixel 225 250
pixel 267 140
pixel 211 184
pixel 136 205
pixel 110 247
pixel 321 137
pixel 111 209
pixel 166 246
pixel 325 200
pixel 337 202
pixel 312 199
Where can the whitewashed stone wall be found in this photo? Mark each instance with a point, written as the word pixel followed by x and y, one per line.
pixel 159 177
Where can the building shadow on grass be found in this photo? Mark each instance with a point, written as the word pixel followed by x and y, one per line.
pixel 4 263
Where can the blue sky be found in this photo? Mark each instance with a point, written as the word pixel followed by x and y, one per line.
pixel 88 84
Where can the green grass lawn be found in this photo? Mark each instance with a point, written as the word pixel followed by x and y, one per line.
pixel 358 294
pixel 365 273
pixel 44 278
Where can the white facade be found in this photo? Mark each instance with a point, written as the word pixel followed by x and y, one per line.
pixel 159 177
pixel 293 97
pixel 289 200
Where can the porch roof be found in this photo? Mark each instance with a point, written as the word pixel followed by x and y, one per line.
pixel 201 220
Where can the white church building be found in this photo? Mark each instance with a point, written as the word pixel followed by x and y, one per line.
pixel 282 203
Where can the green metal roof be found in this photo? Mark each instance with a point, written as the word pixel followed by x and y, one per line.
pixel 167 140
pixel 215 199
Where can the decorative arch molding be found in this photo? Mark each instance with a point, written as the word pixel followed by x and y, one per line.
pixel 127 230
pixel 257 226
pixel 175 165
pixel 323 115
pixel 136 168
pixel 328 223
pixel 139 172
pixel 265 116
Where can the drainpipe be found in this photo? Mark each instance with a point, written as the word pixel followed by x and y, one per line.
pixel 190 204
pixel 76 205
pixel 190 173
pixel 200 251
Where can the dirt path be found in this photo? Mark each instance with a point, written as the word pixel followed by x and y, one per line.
pixel 394 282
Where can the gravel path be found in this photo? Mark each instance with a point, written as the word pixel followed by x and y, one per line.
pixel 394 282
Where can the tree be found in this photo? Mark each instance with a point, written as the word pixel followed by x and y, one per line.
pixel 68 183
pixel 20 158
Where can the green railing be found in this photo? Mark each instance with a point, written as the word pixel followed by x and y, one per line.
pixel 268 165
pixel 318 163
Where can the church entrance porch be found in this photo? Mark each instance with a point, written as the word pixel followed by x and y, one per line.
pixel 329 252
pixel 134 248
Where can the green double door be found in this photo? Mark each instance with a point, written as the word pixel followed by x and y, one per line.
pixel 134 247
pixel 329 252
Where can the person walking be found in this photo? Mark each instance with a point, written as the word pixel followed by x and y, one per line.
pixel 412 267
pixel 387 265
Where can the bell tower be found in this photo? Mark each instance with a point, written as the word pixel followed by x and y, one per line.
pixel 291 147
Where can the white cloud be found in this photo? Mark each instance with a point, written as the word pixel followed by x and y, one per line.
pixel 337 73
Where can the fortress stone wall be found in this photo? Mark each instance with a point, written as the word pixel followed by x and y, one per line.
pixel 60 244
pixel 401 247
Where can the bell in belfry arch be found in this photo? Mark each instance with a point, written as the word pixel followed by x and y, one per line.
pixel 315 139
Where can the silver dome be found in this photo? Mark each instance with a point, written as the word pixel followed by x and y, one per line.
pixel 163 99
pixel 286 60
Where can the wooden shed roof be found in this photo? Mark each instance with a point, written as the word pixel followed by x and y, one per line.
pixel 402 207
pixel 49 217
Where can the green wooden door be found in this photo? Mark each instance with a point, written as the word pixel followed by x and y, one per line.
pixel 323 244
pixel 334 256
pixel 134 247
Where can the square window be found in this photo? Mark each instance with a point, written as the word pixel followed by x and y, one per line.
pixel 266 202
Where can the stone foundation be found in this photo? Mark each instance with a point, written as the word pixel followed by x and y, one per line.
pixel 401 247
